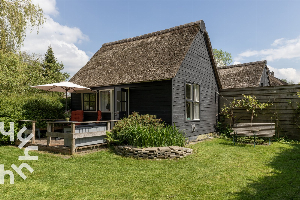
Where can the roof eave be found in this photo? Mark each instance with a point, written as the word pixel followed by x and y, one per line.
pixel 211 55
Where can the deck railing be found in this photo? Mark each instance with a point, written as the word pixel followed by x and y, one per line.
pixel 75 138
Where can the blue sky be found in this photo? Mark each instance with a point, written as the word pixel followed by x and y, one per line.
pixel 250 30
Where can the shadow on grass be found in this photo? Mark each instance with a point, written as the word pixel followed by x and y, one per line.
pixel 230 143
pixel 284 183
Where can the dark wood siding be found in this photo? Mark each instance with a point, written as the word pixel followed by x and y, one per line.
pixel 153 98
pixel 90 116
pixel 196 68
pixel 76 101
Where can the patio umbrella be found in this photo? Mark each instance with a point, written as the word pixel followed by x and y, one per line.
pixel 63 87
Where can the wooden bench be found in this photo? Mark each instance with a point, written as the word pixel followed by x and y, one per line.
pixel 253 129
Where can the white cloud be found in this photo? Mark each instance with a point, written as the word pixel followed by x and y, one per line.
pixel 236 63
pixel 290 74
pixel 278 42
pixel 283 49
pixel 63 40
pixel 48 6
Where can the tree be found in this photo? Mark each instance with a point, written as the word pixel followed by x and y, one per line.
pixel 15 17
pixel 250 103
pixel 288 82
pixel 52 69
pixel 222 58
pixel 19 72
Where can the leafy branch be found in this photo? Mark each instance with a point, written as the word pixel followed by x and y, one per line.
pixel 250 103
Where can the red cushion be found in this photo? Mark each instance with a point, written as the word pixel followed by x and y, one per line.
pixel 77 115
pixel 99 115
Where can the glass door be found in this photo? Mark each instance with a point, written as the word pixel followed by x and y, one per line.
pixel 121 103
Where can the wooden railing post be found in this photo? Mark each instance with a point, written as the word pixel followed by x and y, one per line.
pixel 108 125
pixel 49 129
pixel 33 132
pixel 72 139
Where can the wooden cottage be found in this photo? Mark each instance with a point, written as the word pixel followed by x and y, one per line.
pixel 253 74
pixel 169 73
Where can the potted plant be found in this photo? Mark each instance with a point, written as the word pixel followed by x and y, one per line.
pixel 67 115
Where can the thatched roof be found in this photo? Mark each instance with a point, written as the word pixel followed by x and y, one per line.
pixel 242 75
pixel 150 57
pixel 275 81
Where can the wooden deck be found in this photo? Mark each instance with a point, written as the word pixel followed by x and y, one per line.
pixel 75 136
pixel 57 146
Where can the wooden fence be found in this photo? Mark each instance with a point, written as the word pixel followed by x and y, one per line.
pixel 283 111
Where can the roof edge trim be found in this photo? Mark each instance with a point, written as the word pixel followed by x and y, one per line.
pixel 200 23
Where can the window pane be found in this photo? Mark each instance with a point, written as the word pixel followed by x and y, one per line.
pixel 188 110
pixel 124 96
pixel 93 97
pixel 123 106
pixel 196 93
pixel 86 97
pixel 118 95
pixel 188 89
pixel 196 110
pixel 118 106
pixel 92 105
pixel 105 101
pixel 86 106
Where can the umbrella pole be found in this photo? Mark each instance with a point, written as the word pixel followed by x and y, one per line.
pixel 66 98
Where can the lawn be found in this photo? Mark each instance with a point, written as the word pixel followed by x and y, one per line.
pixel 216 170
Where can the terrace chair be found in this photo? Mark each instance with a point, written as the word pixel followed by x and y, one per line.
pixel 77 115
pixel 99 115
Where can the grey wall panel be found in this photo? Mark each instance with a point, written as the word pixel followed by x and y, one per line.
pixel 196 68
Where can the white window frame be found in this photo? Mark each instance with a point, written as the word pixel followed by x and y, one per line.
pixel 96 98
pixel 193 101
pixel 110 102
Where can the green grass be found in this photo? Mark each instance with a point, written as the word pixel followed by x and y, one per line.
pixel 216 170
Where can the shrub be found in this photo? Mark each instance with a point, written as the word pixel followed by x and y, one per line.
pixel 223 129
pixel 43 107
pixel 15 107
pixel 145 131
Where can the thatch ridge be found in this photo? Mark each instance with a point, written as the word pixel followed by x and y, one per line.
pixel 242 75
pixel 276 81
pixel 144 36
pixel 244 64
pixel 150 57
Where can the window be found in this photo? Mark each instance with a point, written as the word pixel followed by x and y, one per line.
pixel 105 101
pixel 192 99
pixel 89 101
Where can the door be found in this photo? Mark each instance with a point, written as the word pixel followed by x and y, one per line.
pixel 121 103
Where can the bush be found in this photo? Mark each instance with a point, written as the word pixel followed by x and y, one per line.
pixel 145 131
pixel 223 129
pixel 15 107
pixel 43 107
